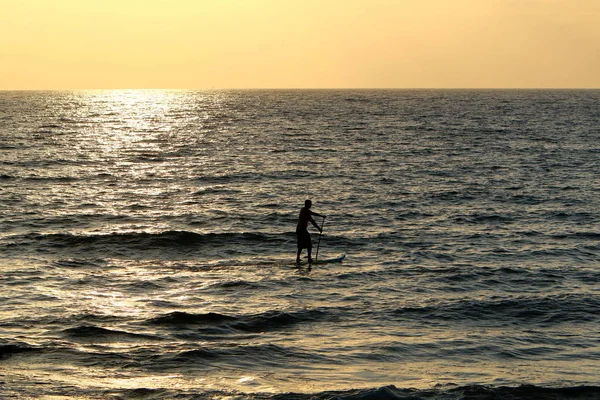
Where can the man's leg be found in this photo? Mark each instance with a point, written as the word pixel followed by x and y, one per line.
pixel 298 255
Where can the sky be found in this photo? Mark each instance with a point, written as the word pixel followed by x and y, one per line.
pixel 205 44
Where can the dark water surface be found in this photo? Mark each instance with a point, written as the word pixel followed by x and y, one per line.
pixel 147 244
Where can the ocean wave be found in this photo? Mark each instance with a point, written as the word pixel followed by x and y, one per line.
pixel 390 392
pixel 96 334
pixel 51 126
pixel 273 320
pixel 147 240
pixel 215 190
pixel 136 243
pixel 458 393
pixel 483 219
pixel 236 284
pixel 267 321
pixel 571 308
pixel 50 179
pixel 577 236
pixel 266 354
pixel 9 349
pixel 183 318
pixel 141 393
pixel 59 321
pixel 257 176
pixel 80 263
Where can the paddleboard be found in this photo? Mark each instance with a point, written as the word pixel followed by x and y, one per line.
pixel 326 260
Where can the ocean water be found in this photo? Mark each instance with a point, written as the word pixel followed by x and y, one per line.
pixel 147 244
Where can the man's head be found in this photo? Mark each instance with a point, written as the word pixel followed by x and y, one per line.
pixel 307 203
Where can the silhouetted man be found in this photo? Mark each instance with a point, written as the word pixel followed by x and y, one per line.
pixel 302 234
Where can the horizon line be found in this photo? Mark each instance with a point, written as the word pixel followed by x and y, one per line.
pixel 300 89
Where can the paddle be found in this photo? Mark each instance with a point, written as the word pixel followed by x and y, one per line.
pixel 319 242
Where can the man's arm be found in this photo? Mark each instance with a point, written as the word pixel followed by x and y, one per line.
pixel 318 215
pixel 312 221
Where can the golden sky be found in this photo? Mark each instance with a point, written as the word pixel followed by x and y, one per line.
pixel 196 44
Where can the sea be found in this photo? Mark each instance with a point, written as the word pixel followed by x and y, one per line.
pixel 148 245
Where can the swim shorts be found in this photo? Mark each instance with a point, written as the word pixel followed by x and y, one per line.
pixel 304 241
